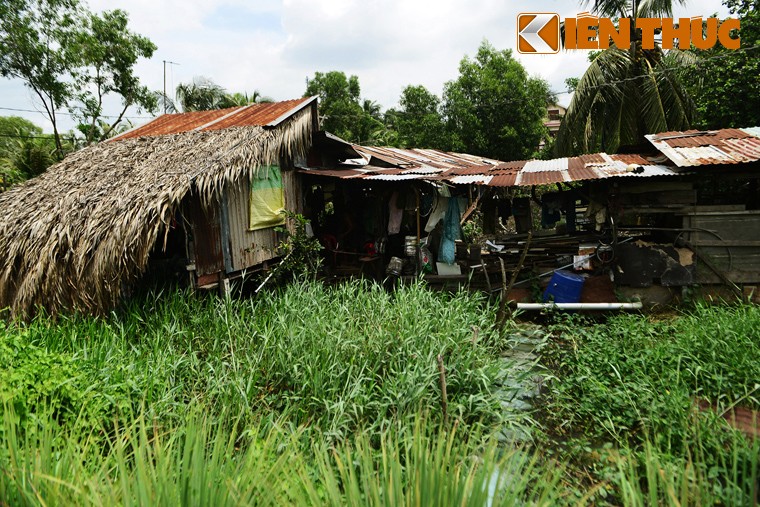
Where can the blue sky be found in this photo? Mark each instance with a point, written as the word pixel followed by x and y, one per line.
pixel 273 45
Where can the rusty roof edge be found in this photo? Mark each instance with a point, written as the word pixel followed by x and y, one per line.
pixel 129 131
pixel 291 112
pixel 699 133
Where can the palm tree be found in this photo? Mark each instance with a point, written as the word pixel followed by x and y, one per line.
pixel 243 99
pixel 202 95
pixel 626 94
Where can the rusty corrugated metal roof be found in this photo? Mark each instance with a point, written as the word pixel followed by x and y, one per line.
pixel 243 116
pixel 462 169
pixel 429 161
pixel 694 147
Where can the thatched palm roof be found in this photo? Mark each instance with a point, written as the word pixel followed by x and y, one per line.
pixel 74 236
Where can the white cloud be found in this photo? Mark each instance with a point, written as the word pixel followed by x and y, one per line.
pixel 273 46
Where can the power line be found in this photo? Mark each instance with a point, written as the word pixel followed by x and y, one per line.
pixel 73 114
pixel 696 63
pixel 49 137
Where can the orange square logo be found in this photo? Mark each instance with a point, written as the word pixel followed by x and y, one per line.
pixel 538 33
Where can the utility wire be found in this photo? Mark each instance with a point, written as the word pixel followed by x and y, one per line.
pixel 663 70
pixel 73 114
pixel 697 63
pixel 16 136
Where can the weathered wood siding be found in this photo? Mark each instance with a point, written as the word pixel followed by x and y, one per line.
pixel 246 248
pixel 291 183
pixel 206 241
pixel 736 252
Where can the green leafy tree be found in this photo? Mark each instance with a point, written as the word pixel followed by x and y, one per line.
pixel 572 83
pixel 494 108
pixel 71 58
pixel 108 52
pixel 13 128
pixel 341 109
pixel 625 94
pixel 371 129
pixel 203 94
pixel 724 83
pixel 418 120
pixel 24 150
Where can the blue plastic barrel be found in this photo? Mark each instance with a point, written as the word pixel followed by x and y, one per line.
pixel 564 287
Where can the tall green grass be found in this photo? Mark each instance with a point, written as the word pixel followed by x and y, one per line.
pixel 198 463
pixel 635 382
pixel 331 358
pixel 314 395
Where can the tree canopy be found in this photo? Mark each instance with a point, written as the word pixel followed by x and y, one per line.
pixel 418 120
pixel 724 83
pixel 341 108
pixel 494 108
pixel 71 58
pixel 203 94
pixel 24 150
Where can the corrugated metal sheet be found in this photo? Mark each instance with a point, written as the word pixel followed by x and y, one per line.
pixel 694 148
pixel 250 248
pixel 256 114
pixel 463 169
pixel 481 179
pixel 336 173
pixel 527 179
pixel 394 177
pixel 428 160
pixel 244 116
pixel 503 180
pixel 537 166
pixel 292 185
pixel 175 123
pixel 583 173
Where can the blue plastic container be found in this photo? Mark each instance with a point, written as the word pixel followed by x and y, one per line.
pixel 564 287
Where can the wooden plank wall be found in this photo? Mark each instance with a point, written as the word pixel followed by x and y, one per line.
pixel 736 252
pixel 247 248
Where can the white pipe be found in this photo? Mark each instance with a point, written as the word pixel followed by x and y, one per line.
pixel 580 306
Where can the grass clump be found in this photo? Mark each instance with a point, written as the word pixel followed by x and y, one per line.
pixel 625 403
pixel 199 463
pixel 332 358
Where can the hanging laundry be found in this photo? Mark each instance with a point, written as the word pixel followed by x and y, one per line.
pixel 439 211
pixel 451 233
pixel 395 214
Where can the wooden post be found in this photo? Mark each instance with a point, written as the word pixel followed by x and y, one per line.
pixel 444 396
pixel 419 230
pixel 501 316
pixel 485 273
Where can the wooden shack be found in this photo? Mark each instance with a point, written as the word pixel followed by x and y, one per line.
pixel 204 190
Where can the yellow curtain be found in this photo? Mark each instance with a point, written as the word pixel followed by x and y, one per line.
pixel 267 200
